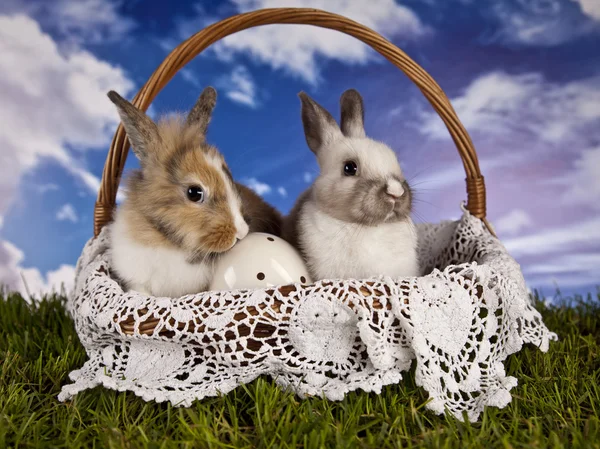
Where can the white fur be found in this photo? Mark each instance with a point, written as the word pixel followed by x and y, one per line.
pixel 156 271
pixel 377 160
pixel 337 249
pixel 234 201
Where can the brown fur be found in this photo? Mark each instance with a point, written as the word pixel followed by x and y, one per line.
pixel 201 113
pixel 260 215
pixel 139 127
pixel 174 156
pixel 157 194
pixel 290 231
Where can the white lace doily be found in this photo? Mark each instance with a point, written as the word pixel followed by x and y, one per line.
pixel 460 322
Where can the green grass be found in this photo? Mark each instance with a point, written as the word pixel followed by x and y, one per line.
pixel 557 402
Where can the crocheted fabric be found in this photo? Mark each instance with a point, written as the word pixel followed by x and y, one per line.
pixel 459 322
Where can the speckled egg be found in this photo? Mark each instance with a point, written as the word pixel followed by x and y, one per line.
pixel 259 260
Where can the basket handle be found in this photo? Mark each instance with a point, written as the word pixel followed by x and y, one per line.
pixel 190 48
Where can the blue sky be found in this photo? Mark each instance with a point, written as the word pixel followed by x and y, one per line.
pixel 523 75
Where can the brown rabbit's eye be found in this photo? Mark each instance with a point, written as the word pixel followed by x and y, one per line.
pixel 350 168
pixel 195 194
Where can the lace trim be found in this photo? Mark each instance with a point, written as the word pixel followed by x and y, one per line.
pixel 460 321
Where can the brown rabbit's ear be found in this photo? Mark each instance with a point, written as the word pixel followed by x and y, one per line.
pixel 141 130
pixel 320 128
pixel 201 113
pixel 353 114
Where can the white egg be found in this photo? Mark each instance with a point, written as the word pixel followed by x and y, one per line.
pixel 259 260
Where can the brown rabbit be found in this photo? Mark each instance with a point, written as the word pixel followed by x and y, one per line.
pixel 183 208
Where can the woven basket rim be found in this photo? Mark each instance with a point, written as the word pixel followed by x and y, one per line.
pixel 194 45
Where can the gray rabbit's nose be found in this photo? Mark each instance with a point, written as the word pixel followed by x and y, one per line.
pixel 394 189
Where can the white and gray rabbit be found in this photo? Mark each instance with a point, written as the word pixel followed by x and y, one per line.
pixel 183 209
pixel 354 221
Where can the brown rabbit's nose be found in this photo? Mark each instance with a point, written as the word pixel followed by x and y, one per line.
pixel 242 230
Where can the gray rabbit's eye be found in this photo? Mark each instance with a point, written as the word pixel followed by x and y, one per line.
pixel 195 194
pixel 350 168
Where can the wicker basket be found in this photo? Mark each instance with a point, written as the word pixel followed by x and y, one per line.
pixel 192 47
pixel 188 50
pixel 460 320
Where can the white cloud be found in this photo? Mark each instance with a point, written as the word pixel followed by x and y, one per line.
pixel 259 187
pixel 239 86
pixel 498 103
pixel 297 48
pixel 570 270
pixel 91 182
pixel 61 279
pixel 540 22
pixel 587 280
pixel 189 76
pixel 29 281
pixel 307 177
pixel 582 185
pixel 590 7
pixel 67 213
pixel 76 21
pixel 579 262
pixel 547 241
pixel 513 222
pixel 455 173
pixel 168 44
pixel 528 128
pixel 90 20
pixel 51 100
pixel 46 187
pixel 440 178
pixel 282 191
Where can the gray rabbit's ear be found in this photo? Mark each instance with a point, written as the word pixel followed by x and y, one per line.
pixel 201 113
pixel 353 114
pixel 320 128
pixel 141 130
